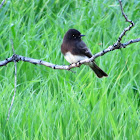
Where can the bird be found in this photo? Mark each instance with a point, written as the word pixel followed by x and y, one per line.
pixel 75 50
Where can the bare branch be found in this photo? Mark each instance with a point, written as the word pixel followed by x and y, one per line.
pixel 2 3
pixel 117 45
pixel 7 60
pixel 131 41
pixel 127 20
pixel 15 64
pixel 65 67
pixel 125 16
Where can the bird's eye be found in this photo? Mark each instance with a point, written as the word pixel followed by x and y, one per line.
pixel 74 36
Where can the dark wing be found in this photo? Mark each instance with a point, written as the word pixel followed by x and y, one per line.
pixel 81 49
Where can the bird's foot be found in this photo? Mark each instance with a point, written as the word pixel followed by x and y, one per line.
pixel 78 64
pixel 70 64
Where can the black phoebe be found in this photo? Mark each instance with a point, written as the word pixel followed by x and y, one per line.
pixel 74 50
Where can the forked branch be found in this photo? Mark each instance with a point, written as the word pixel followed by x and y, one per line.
pixel 117 45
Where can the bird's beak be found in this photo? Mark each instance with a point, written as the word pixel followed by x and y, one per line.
pixel 82 35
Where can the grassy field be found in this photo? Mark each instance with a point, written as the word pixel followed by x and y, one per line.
pixel 58 104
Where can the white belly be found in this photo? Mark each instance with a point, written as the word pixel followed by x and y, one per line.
pixel 74 58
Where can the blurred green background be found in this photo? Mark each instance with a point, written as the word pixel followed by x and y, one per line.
pixel 59 104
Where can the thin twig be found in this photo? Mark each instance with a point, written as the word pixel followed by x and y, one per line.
pixel 127 20
pixel 12 47
pixel 13 98
pixel 130 42
pixel 2 3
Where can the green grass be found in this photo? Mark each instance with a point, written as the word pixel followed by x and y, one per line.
pixel 59 104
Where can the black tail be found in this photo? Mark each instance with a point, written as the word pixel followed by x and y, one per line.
pixel 99 72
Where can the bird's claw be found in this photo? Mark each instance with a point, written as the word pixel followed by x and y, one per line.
pixel 78 64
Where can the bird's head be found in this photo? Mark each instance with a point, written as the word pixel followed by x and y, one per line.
pixel 73 34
